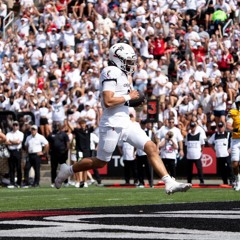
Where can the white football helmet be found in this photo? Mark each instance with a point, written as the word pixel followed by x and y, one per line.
pixel 123 56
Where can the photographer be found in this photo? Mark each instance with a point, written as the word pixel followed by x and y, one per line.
pixel 168 152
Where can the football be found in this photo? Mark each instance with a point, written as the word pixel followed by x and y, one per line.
pixel 138 101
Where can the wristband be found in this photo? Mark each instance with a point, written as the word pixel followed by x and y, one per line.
pixel 127 98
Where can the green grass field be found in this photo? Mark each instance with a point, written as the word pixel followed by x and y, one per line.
pixel 49 198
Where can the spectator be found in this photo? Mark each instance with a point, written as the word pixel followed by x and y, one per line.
pixel 159 85
pixel 130 165
pixel 168 148
pixel 36 146
pixel 164 30
pixel 83 144
pixel 143 167
pixel 219 104
pixel 233 126
pixel 221 141
pixel 58 149
pixel 194 143
pixel 14 142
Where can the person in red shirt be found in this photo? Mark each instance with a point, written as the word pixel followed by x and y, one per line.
pixel 50 25
pixel 201 51
pixel 159 47
pixel 225 61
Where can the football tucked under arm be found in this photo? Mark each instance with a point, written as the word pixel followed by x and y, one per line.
pixel 136 102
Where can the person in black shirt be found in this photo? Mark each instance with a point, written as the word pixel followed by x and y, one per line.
pixel 83 147
pixel 58 149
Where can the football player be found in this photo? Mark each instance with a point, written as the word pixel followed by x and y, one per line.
pixel 115 124
pixel 233 124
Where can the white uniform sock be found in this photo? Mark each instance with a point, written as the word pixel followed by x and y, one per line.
pixel 166 179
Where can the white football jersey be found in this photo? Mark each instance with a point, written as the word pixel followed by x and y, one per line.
pixel 115 80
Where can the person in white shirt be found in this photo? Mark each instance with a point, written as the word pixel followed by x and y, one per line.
pixel 73 76
pixel 53 38
pixel 36 145
pixel 12 104
pixel 221 142
pixel 199 73
pixel 23 27
pixel 177 136
pixel 168 153
pixel 130 165
pixel 185 107
pixel 35 57
pixel 115 123
pixel 41 39
pixel 43 115
pixel 50 57
pixel 219 105
pixel 88 114
pixel 194 143
pixel 140 78
pixel 14 143
pixel 159 85
pixel 68 38
pixel 215 72
pixel 152 66
pixel 58 110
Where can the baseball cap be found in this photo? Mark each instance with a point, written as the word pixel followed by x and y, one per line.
pixel 120 34
pixel 220 124
pixel 87 104
pixel 34 127
pixel 159 69
pixel 143 121
pixel 175 42
pixel 15 123
pixel 192 124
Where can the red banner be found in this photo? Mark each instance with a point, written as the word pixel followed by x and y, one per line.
pixel 209 163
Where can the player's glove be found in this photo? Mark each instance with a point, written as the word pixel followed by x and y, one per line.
pixel 136 102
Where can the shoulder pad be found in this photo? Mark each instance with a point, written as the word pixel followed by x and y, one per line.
pixel 111 72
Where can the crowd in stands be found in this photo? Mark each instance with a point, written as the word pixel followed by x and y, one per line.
pixel 52 55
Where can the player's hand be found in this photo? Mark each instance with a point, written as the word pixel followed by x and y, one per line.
pixel 134 94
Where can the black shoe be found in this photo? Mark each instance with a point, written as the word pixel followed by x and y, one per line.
pixel 81 185
pixel 35 185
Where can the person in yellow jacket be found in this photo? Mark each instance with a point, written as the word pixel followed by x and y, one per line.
pixel 233 124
